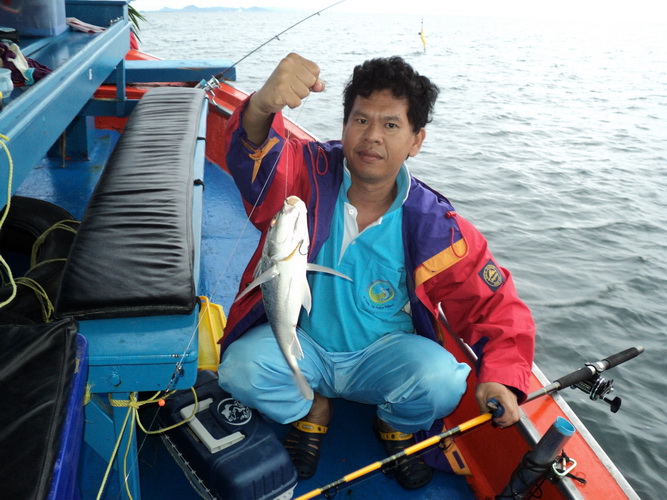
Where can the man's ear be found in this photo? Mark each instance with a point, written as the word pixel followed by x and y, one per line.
pixel 418 141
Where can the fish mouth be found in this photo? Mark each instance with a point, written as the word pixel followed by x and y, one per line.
pixel 292 200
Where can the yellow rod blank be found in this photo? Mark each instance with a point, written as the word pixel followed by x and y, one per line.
pixel 469 424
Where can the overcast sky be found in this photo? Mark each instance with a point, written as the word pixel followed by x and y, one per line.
pixel 655 10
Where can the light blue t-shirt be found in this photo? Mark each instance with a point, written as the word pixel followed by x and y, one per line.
pixel 348 316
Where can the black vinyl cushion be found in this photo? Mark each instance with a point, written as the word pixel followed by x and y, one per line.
pixel 133 254
pixel 37 366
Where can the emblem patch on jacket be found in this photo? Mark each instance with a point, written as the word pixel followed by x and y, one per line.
pixel 492 276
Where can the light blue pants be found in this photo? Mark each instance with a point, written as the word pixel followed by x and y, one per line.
pixel 411 379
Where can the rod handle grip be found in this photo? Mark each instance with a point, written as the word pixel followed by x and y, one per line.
pixel 591 369
pixel 622 357
pixel 575 377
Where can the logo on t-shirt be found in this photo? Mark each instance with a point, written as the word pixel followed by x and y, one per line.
pixel 381 293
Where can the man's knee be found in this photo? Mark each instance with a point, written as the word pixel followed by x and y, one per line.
pixel 241 365
pixel 437 385
pixel 235 376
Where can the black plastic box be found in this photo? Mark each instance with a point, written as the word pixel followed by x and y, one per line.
pixel 228 451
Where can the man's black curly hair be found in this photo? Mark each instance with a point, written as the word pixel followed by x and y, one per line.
pixel 393 73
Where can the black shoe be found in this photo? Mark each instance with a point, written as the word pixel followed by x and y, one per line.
pixel 411 472
pixel 302 442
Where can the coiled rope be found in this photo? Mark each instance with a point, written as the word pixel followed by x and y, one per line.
pixel 63 224
pixel 42 297
pixel 3 262
pixel 47 306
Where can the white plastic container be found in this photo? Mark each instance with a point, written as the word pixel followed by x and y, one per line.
pixel 6 84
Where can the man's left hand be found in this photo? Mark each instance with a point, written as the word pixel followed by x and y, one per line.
pixel 506 398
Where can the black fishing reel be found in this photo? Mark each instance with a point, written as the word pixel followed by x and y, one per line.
pixel 599 388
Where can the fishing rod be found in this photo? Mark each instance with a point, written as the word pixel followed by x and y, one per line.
pixel 586 378
pixel 214 82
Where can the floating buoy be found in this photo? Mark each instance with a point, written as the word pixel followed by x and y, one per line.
pixel 422 35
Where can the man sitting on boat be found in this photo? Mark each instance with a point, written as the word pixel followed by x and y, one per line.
pixel 376 339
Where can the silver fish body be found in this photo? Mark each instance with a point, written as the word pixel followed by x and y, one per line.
pixel 281 275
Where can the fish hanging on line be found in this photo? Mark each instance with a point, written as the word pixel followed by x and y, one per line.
pixel 281 275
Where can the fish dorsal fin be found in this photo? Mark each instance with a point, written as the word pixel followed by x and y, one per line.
pixel 322 269
pixel 267 275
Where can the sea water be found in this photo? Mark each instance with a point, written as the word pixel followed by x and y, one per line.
pixel 551 137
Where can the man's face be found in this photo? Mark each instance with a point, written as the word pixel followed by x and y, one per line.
pixel 378 137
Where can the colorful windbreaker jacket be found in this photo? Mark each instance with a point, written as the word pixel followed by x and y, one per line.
pixel 446 258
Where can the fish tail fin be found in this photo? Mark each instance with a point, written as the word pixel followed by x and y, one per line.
pixel 304 387
pixel 295 349
pixel 295 353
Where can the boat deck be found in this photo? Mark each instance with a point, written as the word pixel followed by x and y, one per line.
pixel 227 242
pixel 349 445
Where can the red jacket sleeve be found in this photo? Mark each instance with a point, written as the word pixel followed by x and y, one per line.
pixel 482 306
pixel 264 174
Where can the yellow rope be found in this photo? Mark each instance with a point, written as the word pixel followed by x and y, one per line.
pixel 42 237
pixel 42 296
pixel 8 270
pixel 88 395
pixel 48 309
pixel 2 275
pixel 133 410
pixel 113 455
pixel 47 306
pixel 45 262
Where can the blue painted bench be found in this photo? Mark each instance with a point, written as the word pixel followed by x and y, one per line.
pixel 132 273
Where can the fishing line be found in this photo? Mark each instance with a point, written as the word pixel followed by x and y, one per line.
pixel 229 259
pixel 248 218
pixel 223 272
pixel 288 136
pixel 213 81
pixel 414 159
